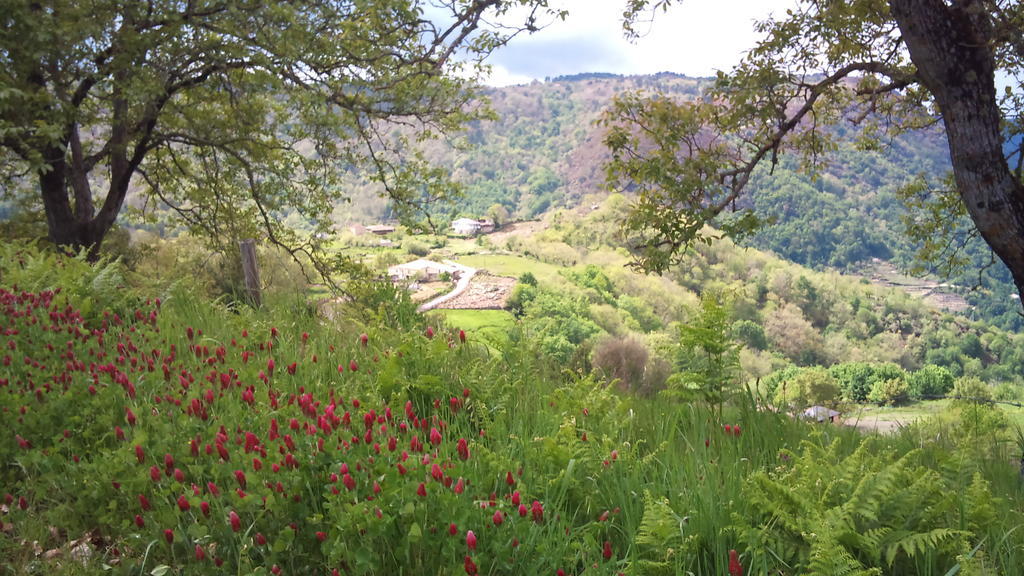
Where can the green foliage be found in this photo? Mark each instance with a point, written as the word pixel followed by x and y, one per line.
pixel 867 512
pixel 241 120
pixel 929 381
pixel 750 334
pixel 892 392
pixel 594 278
pixel 415 247
pixel 667 485
pixel 808 387
pixel 708 358
pixel 857 380
pixel 816 67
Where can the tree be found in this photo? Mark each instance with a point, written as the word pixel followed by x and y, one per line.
pixel 234 114
pixel 888 66
pixel 708 357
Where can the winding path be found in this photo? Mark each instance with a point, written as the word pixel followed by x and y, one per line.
pixel 465 276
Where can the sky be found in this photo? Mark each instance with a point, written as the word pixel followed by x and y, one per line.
pixel 695 38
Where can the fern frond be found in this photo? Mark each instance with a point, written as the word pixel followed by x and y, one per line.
pixel 914 543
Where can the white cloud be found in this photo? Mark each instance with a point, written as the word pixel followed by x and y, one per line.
pixel 695 37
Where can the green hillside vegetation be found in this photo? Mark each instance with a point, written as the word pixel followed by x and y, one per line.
pixel 578 301
pixel 153 430
pixel 543 150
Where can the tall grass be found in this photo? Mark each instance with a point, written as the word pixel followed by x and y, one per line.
pixel 668 487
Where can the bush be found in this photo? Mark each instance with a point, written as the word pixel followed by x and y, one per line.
pixel 627 361
pixel 858 379
pixel 930 381
pixel 808 387
pixel 750 333
pixel 890 392
pixel 415 247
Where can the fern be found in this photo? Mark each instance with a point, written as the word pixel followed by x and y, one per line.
pixel 659 536
pixel 913 544
pixel 859 514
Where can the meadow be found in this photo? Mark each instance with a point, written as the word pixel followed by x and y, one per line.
pixel 165 433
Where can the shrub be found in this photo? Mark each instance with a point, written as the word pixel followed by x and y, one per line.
pixel 808 387
pixel 750 334
pixel 891 392
pixel 415 247
pixel 930 381
pixel 623 360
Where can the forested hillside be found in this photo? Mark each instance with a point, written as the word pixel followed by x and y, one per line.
pixel 543 150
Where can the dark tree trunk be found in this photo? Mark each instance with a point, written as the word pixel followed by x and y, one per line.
pixel 951 46
pixel 81 227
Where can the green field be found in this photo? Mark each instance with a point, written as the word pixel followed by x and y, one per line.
pixel 514 266
pixel 917 411
pixel 486 325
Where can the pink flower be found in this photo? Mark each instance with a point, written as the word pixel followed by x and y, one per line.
pixel 515 498
pixel 261 540
pixel 460 486
pixel 139 521
pixel 240 476
pixel 321 536
pixel 421 491
pixel 538 511
pixel 463 449
pixel 435 436
pixel 470 540
pixel 470 566
pixel 183 504
pixel 509 479
pixel 735 568
pixel 144 502
pixel 607 552
pixel 349 482
pixel 462 336
pixel 169 536
pixel 498 518
pixel 363 338
pixel 154 473
pixel 179 475
pixel 429 332
pixel 204 506
pixel 200 553
pixel 236 522
pixel 453 529
pixel 140 454
pixel 523 510
pixel 436 473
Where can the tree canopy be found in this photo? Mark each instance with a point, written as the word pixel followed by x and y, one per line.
pixel 886 66
pixel 233 112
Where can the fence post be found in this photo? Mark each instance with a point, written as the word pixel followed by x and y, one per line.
pixel 251 270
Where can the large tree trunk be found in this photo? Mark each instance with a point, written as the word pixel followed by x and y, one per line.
pixel 951 46
pixel 79 228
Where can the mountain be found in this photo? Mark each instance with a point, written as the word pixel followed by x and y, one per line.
pixel 544 150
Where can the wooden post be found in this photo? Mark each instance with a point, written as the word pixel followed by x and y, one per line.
pixel 251 270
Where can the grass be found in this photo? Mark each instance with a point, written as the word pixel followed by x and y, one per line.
pixel 487 325
pixel 665 486
pixel 514 266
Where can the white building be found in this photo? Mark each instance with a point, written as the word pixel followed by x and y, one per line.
pixel 466 226
pixel 423 270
